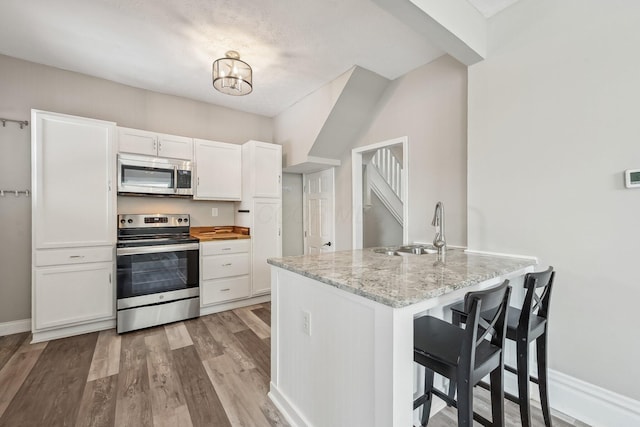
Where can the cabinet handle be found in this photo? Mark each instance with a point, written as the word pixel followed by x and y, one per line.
pixel 225 290
pixel 109 277
pixel 198 181
pixel 226 265
pixel 76 256
pixel 175 179
pixel 225 249
pixel 155 146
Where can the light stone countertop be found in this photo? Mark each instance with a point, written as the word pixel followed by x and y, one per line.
pixel 399 281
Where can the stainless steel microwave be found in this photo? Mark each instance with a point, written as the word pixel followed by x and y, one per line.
pixel 154 175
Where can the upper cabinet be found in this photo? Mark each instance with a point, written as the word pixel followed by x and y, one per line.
pixel 218 170
pixel 73 181
pixel 262 168
pixel 138 141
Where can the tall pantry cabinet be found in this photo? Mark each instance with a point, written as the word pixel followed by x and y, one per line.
pixel 73 225
pixel 260 208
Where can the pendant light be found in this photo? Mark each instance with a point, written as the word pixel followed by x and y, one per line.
pixel 231 75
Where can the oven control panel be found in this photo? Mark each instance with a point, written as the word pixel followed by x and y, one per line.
pixel 153 220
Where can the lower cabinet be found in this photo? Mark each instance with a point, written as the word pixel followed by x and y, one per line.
pixel 72 294
pixel 224 271
pixel 73 291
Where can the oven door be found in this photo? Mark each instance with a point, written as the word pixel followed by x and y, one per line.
pixel 157 273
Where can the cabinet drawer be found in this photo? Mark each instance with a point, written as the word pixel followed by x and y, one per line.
pixel 215 267
pixel 79 255
pixel 225 247
pixel 215 291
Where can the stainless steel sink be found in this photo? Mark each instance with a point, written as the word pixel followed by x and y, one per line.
pixel 407 250
pixel 386 251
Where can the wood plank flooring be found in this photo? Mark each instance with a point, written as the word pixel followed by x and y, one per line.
pixel 211 371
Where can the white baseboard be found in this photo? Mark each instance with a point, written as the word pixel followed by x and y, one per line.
pixel 234 304
pixel 591 404
pixel 288 411
pixel 15 327
pixel 69 331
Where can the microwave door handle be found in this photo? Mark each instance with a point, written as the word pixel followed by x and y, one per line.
pixel 175 179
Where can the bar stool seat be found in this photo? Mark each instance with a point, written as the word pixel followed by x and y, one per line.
pixel 466 355
pixel 443 343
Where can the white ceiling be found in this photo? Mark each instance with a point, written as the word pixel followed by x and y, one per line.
pixel 294 46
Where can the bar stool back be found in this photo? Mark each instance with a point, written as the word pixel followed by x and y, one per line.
pixel 525 325
pixel 465 356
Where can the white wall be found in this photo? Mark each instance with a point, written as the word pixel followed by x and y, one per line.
pixel 428 105
pixel 292 221
pixel 25 85
pixel 553 123
pixel 379 226
pixel 297 128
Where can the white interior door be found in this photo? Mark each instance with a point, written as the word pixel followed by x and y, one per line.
pixel 318 212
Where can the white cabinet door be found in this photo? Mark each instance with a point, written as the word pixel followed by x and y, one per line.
pixel 218 170
pixel 261 170
pixel 175 147
pixel 267 167
pixel 137 141
pixel 72 294
pixel 73 164
pixel 267 242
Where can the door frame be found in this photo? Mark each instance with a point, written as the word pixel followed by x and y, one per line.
pixel 356 188
pixel 305 209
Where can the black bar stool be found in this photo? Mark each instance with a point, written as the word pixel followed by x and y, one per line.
pixel 525 326
pixel 465 356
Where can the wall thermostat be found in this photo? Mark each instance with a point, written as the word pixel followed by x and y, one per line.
pixel 632 178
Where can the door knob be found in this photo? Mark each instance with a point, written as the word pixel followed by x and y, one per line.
pixel 327 244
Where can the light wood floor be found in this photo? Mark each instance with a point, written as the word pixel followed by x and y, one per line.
pixel 212 371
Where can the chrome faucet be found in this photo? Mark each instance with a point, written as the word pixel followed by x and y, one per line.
pixel 438 221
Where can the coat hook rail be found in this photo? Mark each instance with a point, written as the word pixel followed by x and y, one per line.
pixel 4 193
pixel 22 123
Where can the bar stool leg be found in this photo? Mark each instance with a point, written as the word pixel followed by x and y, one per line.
pixel 465 405
pixel 428 386
pixel 541 352
pixel 497 397
pixel 522 347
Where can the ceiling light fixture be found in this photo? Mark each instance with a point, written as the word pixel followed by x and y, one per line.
pixel 231 75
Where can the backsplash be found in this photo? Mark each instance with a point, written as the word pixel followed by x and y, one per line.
pixel 200 210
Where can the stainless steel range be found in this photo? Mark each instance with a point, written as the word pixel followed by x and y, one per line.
pixel 158 271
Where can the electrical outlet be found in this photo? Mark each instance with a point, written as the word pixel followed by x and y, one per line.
pixel 214 211
pixel 306 322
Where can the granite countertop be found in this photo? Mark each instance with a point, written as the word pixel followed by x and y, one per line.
pixel 399 281
pixel 213 233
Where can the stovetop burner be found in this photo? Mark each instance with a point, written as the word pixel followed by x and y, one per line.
pixel 153 229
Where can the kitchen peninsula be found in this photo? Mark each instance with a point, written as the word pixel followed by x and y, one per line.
pixel 342 328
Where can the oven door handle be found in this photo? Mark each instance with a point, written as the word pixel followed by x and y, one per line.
pixel 175 179
pixel 157 249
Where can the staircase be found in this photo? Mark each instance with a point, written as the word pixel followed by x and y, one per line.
pixel 383 176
